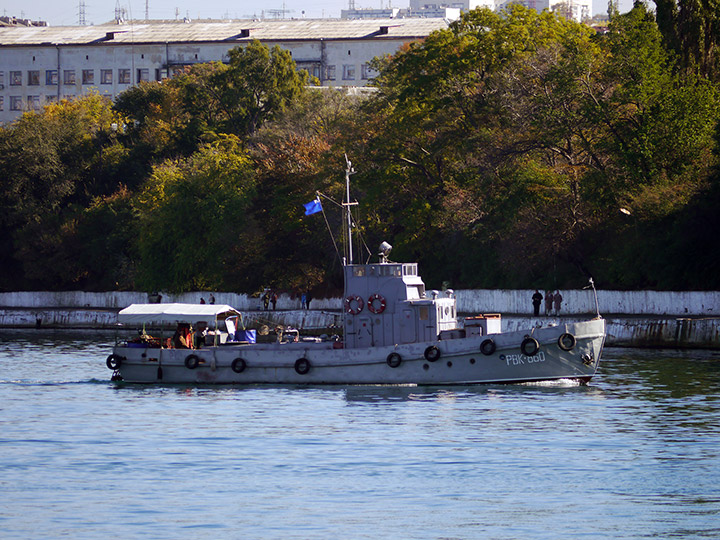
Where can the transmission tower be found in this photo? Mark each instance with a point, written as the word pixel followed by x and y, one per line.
pixel 81 13
pixel 120 12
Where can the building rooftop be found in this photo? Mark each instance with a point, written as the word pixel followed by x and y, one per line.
pixel 231 31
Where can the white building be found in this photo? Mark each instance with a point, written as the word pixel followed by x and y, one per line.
pixel 430 11
pixel 462 5
pixel 44 64
pixel 578 10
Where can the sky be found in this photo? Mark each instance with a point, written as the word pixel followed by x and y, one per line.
pixel 66 12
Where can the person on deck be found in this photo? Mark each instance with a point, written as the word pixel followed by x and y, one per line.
pixel 179 340
pixel 537 299
pixel 199 335
pixel 557 299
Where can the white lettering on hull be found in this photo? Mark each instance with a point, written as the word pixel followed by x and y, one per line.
pixel 521 359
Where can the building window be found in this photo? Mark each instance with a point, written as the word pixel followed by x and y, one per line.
pixel 88 76
pixel 143 74
pixel 16 78
pixel 16 103
pixel 2 80
pixel 33 102
pixel 69 76
pixel 33 78
pixel 367 72
pixel 50 98
pixel 51 77
pixel 2 103
pixel 124 76
pixel 330 73
pixel 106 76
pixel 349 72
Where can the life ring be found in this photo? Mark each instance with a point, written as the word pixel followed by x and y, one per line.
pixel 394 360
pixel 529 346
pixel 358 304
pixel 114 361
pixel 566 341
pixel 487 347
pixel 371 303
pixel 302 366
pixel 432 353
pixel 238 365
pixel 192 361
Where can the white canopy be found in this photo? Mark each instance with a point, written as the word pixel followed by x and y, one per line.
pixel 174 313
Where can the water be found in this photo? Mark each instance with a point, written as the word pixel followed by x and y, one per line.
pixel 633 455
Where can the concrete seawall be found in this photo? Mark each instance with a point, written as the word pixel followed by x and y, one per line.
pixel 635 319
pixel 517 302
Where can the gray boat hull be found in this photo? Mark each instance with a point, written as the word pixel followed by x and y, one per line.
pixel 450 361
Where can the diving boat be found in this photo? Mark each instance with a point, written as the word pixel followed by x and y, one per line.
pixel 394 332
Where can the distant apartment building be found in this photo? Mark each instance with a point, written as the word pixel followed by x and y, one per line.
pixel 39 65
pixel 429 12
pixel 578 10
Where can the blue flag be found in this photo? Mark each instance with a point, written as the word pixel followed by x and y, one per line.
pixel 313 207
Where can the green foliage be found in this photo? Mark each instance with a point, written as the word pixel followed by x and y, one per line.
pixel 192 218
pixel 55 163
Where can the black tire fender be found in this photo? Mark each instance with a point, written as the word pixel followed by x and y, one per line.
pixel 394 360
pixel 238 365
pixel 566 342
pixel 530 346
pixel 192 361
pixel 114 361
pixel 432 353
pixel 302 366
pixel 487 347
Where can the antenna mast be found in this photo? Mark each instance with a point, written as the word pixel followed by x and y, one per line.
pixel 347 204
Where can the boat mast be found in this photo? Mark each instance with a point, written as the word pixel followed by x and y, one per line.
pixel 347 204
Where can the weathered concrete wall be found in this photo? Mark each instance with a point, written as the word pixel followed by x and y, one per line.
pixel 575 302
pixel 118 300
pixel 579 302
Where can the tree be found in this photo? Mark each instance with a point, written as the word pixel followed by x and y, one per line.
pixel 691 28
pixel 237 98
pixel 193 219
pixel 55 162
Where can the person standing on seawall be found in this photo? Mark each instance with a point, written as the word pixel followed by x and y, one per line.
pixel 536 301
pixel 548 303
pixel 557 299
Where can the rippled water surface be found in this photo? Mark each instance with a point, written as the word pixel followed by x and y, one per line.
pixel 633 455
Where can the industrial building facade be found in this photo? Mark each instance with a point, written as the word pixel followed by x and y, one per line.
pixel 39 65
